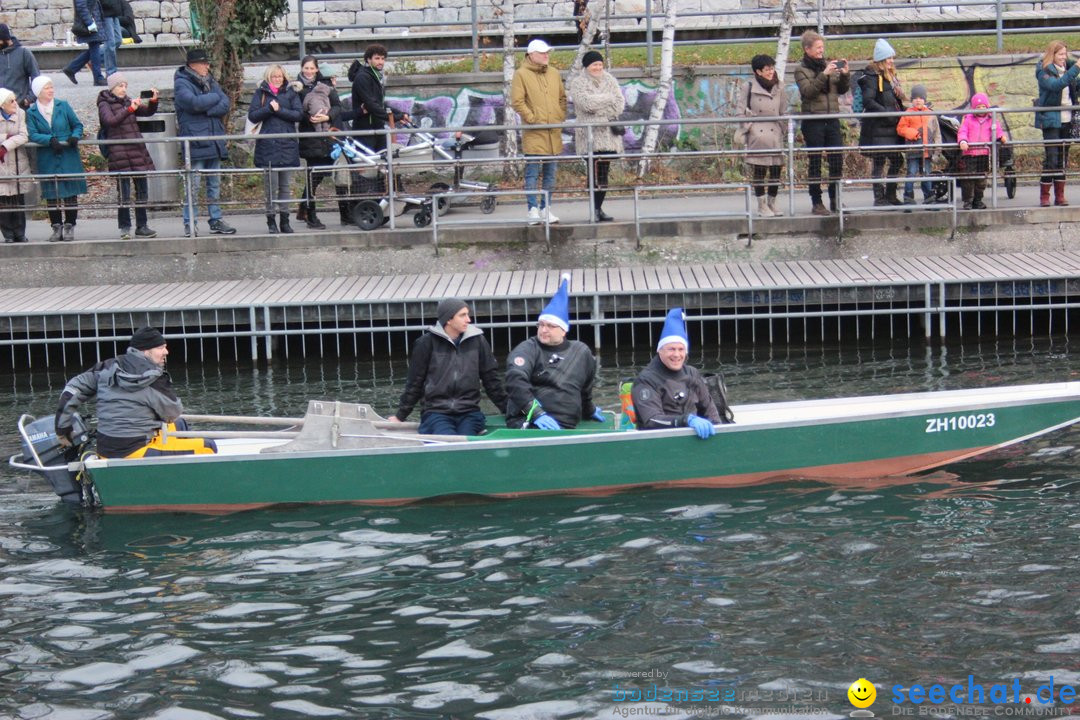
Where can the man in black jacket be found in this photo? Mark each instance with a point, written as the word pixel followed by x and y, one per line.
pixel 448 364
pixel 549 378
pixel 369 97
pixel 669 393
pixel 18 67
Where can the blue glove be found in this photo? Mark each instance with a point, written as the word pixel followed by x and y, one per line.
pixel 702 426
pixel 546 422
pixel 598 415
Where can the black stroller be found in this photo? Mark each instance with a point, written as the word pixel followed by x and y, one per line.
pixel 950 126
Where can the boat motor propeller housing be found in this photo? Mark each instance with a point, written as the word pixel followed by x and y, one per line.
pixel 45 443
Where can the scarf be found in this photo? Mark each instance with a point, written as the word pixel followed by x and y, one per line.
pixel 767 84
pixel 274 90
pixel 814 64
pixel 46 110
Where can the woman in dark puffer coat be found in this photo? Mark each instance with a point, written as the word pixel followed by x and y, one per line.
pixel 316 151
pixel 117 112
pixel 276 105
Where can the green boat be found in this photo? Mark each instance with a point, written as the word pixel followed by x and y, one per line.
pixel 344 453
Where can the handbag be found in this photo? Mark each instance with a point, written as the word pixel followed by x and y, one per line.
pixel 252 128
pixel 738 140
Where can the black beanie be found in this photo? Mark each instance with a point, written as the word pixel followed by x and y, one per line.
pixel 448 308
pixel 590 57
pixel 5 32
pixel 147 338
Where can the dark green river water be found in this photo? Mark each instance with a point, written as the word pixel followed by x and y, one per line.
pixel 763 602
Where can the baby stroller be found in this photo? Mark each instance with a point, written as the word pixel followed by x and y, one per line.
pixel 483 145
pixel 366 172
pixel 950 127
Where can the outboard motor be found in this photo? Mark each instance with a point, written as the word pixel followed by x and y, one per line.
pixel 43 453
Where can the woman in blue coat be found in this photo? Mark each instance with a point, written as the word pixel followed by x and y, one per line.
pixel 52 124
pixel 1056 74
pixel 276 105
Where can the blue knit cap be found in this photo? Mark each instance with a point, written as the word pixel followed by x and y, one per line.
pixel 883 50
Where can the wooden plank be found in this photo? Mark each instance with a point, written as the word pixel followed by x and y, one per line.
pixel 391 292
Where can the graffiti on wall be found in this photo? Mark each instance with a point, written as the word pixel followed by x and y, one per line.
pixel 472 108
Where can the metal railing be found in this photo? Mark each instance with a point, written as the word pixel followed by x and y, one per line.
pixel 389 165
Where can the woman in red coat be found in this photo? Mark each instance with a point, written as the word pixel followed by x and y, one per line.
pixel 117 113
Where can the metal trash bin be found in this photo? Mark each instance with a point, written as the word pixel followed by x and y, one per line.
pixel 162 189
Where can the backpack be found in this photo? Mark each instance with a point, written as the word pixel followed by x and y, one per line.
pixel 103 134
pixel 856 95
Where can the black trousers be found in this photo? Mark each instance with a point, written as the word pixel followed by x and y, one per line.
pixel 1055 153
pixel 123 191
pixel 601 168
pixel 12 217
pixel 760 183
pixel 823 134
pixel 63 210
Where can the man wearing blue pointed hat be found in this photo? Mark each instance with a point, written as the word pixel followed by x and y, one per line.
pixel 549 378
pixel 669 393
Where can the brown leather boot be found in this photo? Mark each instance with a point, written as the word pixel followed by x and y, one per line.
pixel 1044 194
pixel 1059 193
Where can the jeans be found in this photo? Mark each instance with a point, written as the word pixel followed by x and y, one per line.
pixel 916 167
pixel 277 190
pixel 123 191
pixel 94 55
pixel 114 38
pixel 1055 154
pixel 823 134
pixel 213 189
pixel 433 423
pixel 532 174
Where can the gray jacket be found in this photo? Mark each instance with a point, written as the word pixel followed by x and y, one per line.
pixel 134 396
pixel 17 68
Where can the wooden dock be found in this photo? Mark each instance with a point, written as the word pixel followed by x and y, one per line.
pixel 926 295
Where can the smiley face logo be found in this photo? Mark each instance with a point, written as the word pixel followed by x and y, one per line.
pixel 862 693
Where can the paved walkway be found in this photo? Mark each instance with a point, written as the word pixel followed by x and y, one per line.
pixel 510 213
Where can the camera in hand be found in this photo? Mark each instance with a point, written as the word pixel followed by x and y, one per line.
pixel 841 64
pixel 146 94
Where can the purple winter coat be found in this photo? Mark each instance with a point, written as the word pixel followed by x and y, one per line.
pixel 119 123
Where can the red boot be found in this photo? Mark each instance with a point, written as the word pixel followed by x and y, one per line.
pixel 1059 193
pixel 1044 194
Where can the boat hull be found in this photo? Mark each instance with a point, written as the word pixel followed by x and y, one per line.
pixel 861 440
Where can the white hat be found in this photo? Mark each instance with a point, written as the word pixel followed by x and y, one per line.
pixel 38 84
pixel 538 45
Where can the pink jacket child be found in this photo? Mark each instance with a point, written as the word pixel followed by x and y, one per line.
pixel 978 128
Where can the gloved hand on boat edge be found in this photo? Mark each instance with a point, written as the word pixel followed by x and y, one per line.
pixel 702 426
pixel 598 415
pixel 546 422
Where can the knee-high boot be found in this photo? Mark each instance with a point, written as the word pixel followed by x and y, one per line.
pixel 1059 193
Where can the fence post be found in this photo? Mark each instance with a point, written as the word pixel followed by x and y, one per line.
pixel 475 38
pixel 820 17
pixel 648 35
pixel 189 195
pixel 1000 28
pixel 300 27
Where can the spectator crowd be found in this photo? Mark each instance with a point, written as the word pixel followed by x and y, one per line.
pixel 291 120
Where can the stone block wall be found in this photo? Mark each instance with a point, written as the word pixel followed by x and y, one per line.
pixel 166 21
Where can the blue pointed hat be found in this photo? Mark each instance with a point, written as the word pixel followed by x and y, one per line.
pixel 557 311
pixel 674 329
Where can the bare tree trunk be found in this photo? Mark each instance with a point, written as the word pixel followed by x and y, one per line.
pixel 505 11
pixel 783 43
pixel 667 52
pixel 587 36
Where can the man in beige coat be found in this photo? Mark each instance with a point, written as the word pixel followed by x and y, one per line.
pixel 538 96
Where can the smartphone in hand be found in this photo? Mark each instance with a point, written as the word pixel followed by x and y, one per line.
pixel 146 94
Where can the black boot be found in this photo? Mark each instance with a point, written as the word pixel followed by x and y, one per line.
pixel 283 223
pixel 879 195
pixel 890 194
pixel 313 219
pixel 344 206
pixel 271 225
pixel 602 216
pixel 977 195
